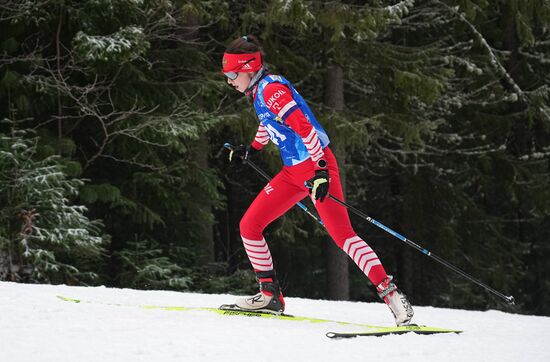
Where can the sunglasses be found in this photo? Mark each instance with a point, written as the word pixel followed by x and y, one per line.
pixel 233 75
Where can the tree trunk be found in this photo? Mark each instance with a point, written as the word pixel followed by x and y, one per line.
pixel 521 137
pixel 205 230
pixel 337 260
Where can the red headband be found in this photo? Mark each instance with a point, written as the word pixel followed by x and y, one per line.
pixel 249 62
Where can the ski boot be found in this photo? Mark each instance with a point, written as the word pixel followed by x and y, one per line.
pixel 397 301
pixel 268 300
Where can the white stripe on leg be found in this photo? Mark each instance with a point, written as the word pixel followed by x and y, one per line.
pixel 258 253
pixel 361 253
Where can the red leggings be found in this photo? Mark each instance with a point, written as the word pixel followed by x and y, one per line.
pixel 283 192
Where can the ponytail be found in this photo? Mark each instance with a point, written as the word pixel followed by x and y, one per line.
pixel 244 45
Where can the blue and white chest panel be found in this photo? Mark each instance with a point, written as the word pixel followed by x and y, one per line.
pixel 292 148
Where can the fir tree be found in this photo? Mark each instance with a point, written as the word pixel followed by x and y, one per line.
pixel 44 237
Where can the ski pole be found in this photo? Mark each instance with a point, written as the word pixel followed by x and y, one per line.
pixel 508 299
pixel 266 176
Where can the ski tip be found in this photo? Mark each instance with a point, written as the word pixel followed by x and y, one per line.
pixel 68 299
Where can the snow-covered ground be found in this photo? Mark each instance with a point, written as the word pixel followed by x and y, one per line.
pixel 37 326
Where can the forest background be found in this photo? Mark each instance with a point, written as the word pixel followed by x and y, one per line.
pixel 113 116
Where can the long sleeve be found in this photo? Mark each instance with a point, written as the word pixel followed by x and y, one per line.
pixel 279 100
pixel 261 139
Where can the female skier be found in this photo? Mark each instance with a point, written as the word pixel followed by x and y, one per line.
pixel 286 120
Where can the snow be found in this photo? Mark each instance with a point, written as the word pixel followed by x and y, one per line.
pixel 105 47
pixel 37 326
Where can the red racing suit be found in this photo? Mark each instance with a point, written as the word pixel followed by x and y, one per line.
pixel 287 188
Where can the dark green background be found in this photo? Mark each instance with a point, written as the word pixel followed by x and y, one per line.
pixel 444 136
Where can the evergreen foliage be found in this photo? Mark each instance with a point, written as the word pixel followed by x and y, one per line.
pixel 44 238
pixel 444 136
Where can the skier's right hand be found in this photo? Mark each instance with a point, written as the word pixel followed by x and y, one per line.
pixel 240 154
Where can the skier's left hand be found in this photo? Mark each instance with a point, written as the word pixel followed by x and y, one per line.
pixel 319 185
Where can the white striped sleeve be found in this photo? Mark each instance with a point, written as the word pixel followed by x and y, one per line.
pixel 262 137
pixel 313 145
